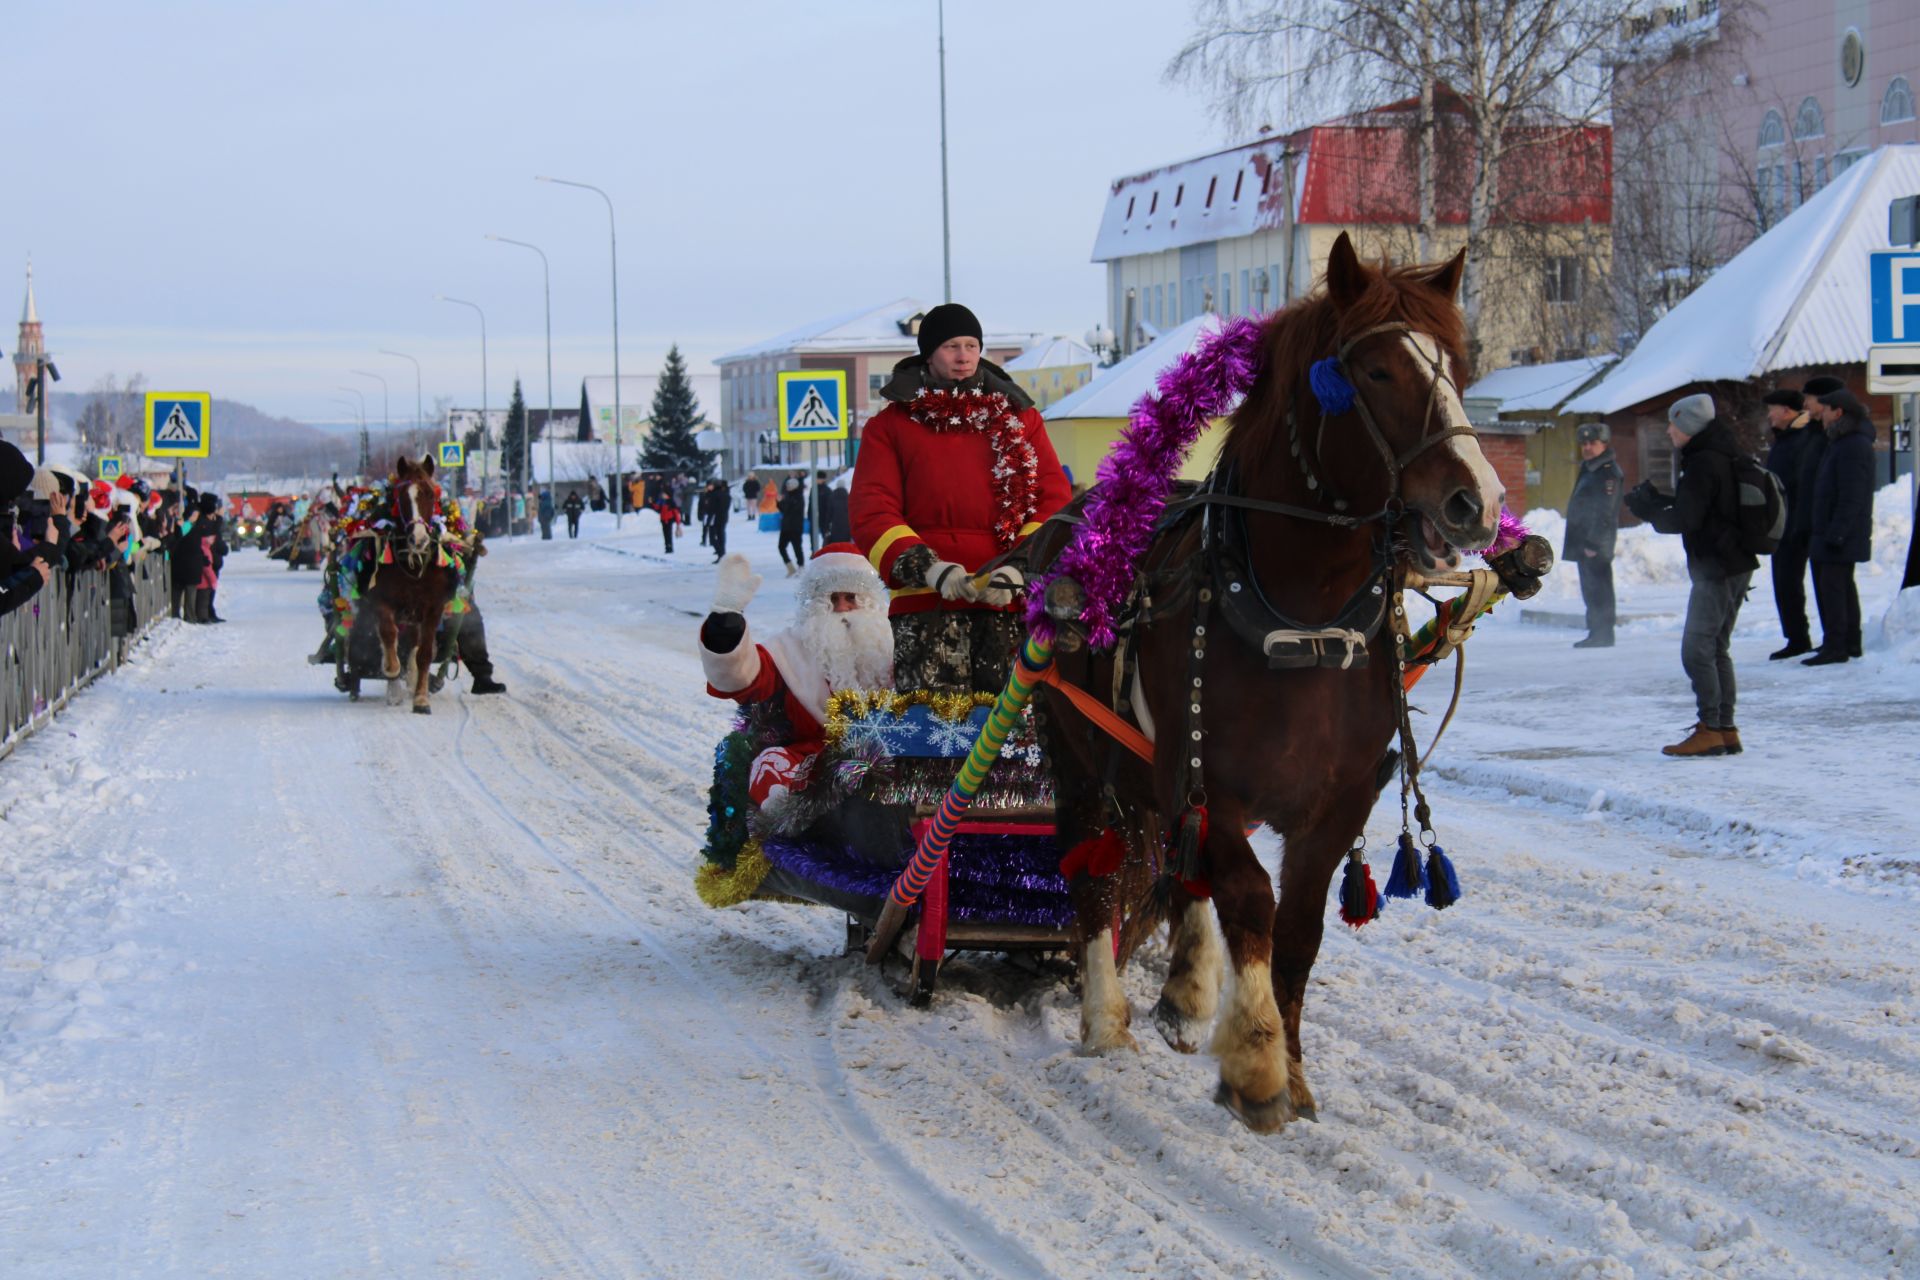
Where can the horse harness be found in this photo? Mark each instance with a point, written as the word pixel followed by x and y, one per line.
pixel 1225 561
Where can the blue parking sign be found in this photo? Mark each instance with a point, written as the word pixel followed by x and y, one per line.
pixel 1893 281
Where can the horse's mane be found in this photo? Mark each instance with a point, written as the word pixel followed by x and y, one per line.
pixel 1312 328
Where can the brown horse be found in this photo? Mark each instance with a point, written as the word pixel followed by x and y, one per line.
pixel 1283 710
pixel 409 584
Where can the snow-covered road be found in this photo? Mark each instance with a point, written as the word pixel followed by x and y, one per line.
pixel 296 987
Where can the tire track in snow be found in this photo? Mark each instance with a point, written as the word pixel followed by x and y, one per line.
pixel 975 1244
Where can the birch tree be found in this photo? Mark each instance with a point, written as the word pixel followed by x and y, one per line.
pixel 1512 63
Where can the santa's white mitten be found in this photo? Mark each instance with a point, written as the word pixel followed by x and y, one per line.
pixel 736 585
pixel 952 581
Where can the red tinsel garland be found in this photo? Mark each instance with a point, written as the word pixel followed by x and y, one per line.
pixel 1016 466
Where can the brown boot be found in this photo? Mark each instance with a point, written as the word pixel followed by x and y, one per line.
pixel 1731 736
pixel 1702 741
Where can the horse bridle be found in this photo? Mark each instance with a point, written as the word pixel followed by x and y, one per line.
pixel 1436 363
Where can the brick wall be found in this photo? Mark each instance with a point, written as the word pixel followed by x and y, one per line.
pixel 1508 454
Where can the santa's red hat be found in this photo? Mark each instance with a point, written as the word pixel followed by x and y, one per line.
pixel 124 482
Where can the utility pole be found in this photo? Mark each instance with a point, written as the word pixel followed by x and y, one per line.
pixel 946 225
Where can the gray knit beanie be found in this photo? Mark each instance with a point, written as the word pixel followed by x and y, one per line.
pixel 1691 414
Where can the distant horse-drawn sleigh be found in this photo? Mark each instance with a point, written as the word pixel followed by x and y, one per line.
pixel 390 590
pixel 1200 661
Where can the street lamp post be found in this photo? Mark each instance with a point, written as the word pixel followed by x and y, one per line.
pixel 419 418
pixel 619 494
pixel 486 430
pixel 546 286
pixel 386 422
pixel 360 407
pixel 946 237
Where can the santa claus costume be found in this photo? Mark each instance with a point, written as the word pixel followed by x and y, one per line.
pixel 824 650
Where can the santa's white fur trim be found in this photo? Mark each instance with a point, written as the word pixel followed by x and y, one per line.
pixel 837 571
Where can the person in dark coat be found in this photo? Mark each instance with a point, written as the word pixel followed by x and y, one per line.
pixel 187 557
pixel 750 492
pixel 1705 511
pixel 793 521
pixel 1795 457
pixel 573 506
pixel 715 505
pixel 1842 525
pixel 835 516
pixel 1593 526
pixel 546 515
pixel 22 574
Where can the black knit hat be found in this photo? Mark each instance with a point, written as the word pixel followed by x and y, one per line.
pixel 946 322
pixel 16 473
pixel 1821 385
pixel 1786 398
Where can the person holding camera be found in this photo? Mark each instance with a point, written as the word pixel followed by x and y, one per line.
pixel 1704 509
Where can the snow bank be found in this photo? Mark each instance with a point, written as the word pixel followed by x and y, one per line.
pixel 1643 558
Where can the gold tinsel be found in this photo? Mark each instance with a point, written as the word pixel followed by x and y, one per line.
pixel 719 887
pixel 849 705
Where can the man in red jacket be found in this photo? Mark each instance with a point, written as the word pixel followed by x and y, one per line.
pixel 955 472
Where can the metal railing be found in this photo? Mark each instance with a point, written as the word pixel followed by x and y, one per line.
pixel 63 639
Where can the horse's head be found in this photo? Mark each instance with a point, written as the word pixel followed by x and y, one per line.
pixel 1401 342
pixel 414 495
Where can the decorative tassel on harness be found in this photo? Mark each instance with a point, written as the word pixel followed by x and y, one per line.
pixel 1407 879
pixel 386 553
pixel 1330 386
pixel 1359 900
pixel 1443 887
pixel 1189 840
pixel 1099 856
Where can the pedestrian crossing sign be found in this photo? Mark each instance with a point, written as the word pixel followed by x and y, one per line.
pixel 179 424
pixel 111 467
pixel 452 454
pixel 813 404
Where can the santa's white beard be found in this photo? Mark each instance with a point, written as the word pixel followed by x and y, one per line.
pixel 854 650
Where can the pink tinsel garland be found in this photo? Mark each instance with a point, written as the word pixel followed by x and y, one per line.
pixel 1137 473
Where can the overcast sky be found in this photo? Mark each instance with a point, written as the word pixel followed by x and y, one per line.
pixel 252 198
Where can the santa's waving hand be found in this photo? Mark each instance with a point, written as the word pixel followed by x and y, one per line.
pixel 839 639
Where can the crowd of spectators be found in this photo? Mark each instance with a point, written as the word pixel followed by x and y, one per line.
pixel 54 520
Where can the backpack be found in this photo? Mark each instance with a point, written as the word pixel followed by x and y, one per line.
pixel 1763 507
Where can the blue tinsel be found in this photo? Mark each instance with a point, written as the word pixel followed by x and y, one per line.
pixel 1330 386
pixel 1001 879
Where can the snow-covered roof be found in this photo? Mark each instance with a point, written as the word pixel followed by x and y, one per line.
pixel 1538 388
pixel 1797 296
pixel 1113 391
pixel 1057 352
pixel 869 329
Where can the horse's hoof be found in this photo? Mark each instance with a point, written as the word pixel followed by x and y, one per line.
pixel 423 710
pixel 1182 1032
pixel 1311 1113
pixel 1093 1044
pixel 390 673
pixel 1270 1116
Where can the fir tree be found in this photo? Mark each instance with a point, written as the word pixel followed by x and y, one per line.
pixel 513 441
pixel 676 417
pixel 584 433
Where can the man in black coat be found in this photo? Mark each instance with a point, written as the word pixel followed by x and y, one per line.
pixel 1795 457
pixel 573 506
pixel 1842 530
pixel 1593 526
pixel 793 519
pixel 715 504
pixel 1705 511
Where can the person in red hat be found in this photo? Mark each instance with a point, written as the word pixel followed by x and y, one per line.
pixel 954 473
pixel 839 639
